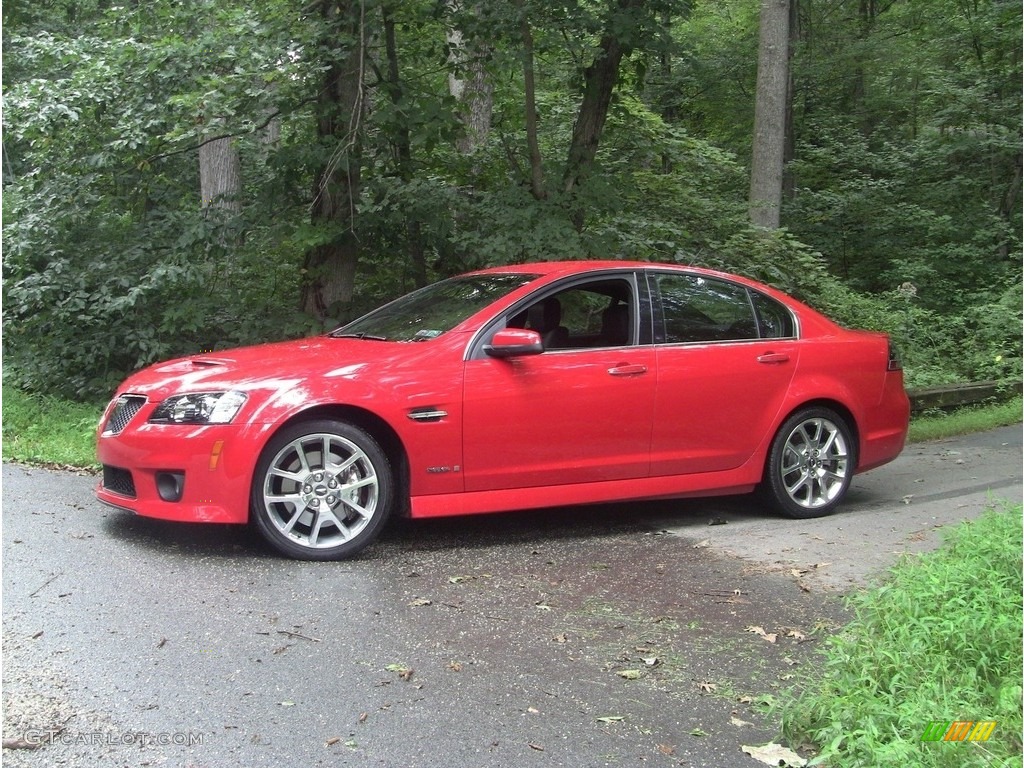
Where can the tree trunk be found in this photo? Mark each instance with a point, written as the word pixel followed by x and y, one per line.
pixel 599 82
pixel 474 93
pixel 536 164
pixel 769 145
pixel 220 176
pixel 403 152
pixel 669 113
pixel 330 267
pixel 789 153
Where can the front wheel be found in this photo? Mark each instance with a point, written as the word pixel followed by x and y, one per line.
pixel 810 464
pixel 323 490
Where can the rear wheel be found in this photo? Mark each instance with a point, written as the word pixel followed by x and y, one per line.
pixel 323 490
pixel 810 464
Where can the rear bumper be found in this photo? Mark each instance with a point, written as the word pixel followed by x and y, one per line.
pixel 884 432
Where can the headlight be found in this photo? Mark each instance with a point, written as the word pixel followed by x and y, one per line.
pixel 199 408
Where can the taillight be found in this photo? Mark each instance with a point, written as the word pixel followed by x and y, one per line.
pixel 894 359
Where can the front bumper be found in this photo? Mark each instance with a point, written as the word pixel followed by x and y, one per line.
pixel 210 469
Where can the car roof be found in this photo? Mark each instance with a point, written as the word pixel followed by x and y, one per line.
pixel 559 268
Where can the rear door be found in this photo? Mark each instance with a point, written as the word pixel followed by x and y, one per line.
pixel 725 357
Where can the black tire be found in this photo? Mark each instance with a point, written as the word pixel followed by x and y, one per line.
pixel 810 464
pixel 323 490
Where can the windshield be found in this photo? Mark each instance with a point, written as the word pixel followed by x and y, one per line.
pixel 427 313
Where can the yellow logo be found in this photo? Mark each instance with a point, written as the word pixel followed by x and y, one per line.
pixel 958 730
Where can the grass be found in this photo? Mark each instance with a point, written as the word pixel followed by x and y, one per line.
pixel 965 421
pixel 939 640
pixel 49 431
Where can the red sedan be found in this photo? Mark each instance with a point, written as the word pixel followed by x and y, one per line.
pixel 511 388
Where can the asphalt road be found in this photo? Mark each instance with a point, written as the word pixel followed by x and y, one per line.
pixel 616 635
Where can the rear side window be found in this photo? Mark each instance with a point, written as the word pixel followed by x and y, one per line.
pixel 774 319
pixel 700 309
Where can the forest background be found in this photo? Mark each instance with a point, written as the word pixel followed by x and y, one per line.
pixel 180 176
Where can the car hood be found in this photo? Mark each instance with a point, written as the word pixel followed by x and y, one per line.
pixel 274 366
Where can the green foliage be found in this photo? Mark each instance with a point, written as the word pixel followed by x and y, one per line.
pixel 893 214
pixel 983 343
pixel 907 123
pixel 938 640
pixel 108 262
pixel 76 331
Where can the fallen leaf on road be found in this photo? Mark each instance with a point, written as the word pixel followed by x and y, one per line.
pixel 775 754
pixel 611 719
pixel 419 601
pixel 537 747
pixel 771 637
pixel 698 732
pixel 404 672
pixel 706 687
pixel 629 674
pixel 666 749
pixel 738 723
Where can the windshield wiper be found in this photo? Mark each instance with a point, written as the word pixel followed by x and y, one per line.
pixel 361 335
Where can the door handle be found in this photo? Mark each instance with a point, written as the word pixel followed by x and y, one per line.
pixel 773 357
pixel 627 370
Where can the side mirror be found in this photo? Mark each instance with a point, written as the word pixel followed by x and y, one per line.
pixel 513 342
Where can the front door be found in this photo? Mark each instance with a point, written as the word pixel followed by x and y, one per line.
pixel 579 412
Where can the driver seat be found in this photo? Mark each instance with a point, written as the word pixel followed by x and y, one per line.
pixel 545 318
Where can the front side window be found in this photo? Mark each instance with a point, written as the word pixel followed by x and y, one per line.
pixel 702 309
pixel 427 313
pixel 596 313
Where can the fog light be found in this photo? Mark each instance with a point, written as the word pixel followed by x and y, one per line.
pixel 170 485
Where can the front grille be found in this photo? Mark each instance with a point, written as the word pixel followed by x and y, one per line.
pixel 119 481
pixel 125 408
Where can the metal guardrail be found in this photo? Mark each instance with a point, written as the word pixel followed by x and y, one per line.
pixel 956 395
